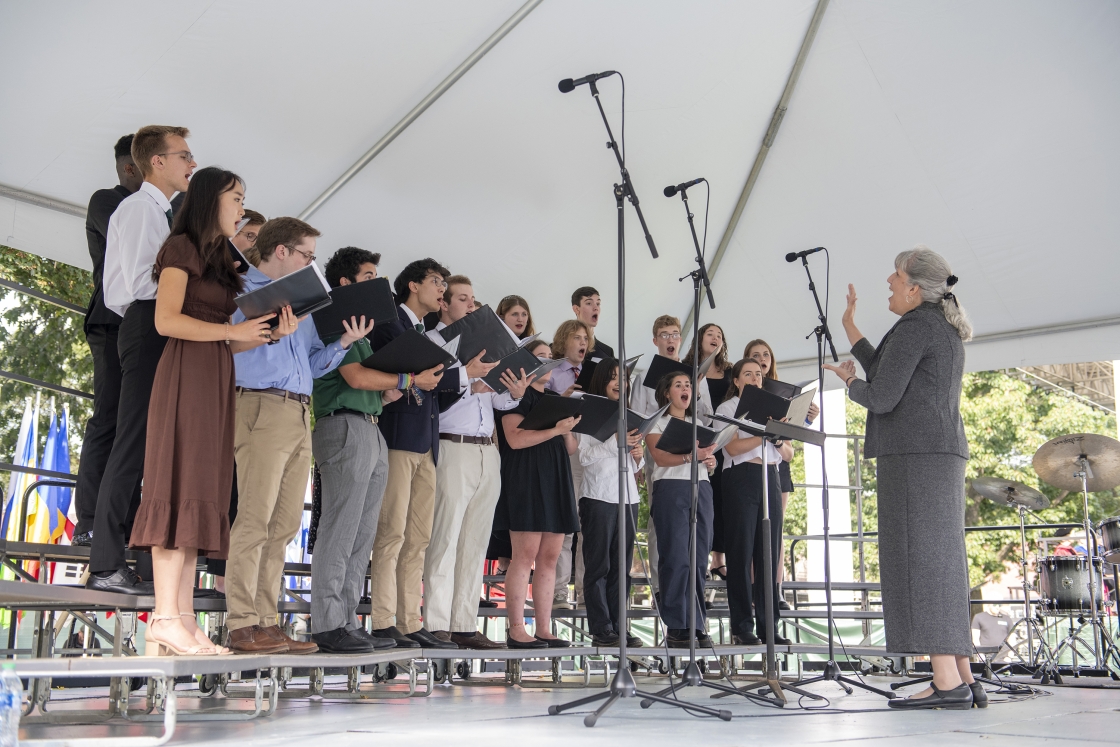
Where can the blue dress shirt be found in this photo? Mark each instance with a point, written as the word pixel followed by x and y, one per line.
pixel 291 364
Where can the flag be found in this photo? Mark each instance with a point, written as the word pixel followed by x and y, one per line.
pixel 24 457
pixel 56 457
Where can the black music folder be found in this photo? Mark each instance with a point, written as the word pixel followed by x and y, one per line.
pixel 410 352
pixel 372 299
pixel 514 363
pixel 660 365
pixel 550 410
pixel 677 437
pixel 481 330
pixel 776 430
pixel 759 405
pixel 781 388
pixel 583 381
pixel 599 418
pixel 306 291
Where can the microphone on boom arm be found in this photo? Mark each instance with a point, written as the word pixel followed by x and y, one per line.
pixel 567 85
pixel 673 189
pixel 794 256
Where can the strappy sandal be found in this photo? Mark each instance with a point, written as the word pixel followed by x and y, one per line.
pixel 218 650
pixel 157 647
pixel 717 572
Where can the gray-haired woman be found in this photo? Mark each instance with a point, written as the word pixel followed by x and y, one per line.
pixel 914 429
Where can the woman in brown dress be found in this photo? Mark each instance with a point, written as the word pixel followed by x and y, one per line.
pixel 189 459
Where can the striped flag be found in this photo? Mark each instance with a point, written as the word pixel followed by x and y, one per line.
pixel 24 457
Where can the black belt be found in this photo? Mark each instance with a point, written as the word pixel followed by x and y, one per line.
pixel 455 438
pixel 304 399
pixel 348 411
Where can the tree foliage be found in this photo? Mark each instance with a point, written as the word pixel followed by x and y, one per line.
pixel 45 342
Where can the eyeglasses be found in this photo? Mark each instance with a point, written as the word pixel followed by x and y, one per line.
pixel 186 155
pixel 438 281
pixel 309 257
pixel 250 236
pixel 669 336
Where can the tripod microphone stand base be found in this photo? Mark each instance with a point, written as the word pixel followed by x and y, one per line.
pixel 623 686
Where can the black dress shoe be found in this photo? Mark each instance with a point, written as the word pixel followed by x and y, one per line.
pixel 703 639
pixel 486 604
pixel 85 539
pixel 553 642
pixel 606 640
pixel 398 637
pixel 535 643
pixel 979 695
pixel 124 581
pixel 750 639
pixel 677 638
pixel 427 640
pixel 377 643
pixel 957 699
pixel 783 605
pixel 633 641
pixel 779 640
pixel 341 641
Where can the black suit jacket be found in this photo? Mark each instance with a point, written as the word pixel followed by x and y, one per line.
pixel 405 424
pixel 102 205
pixel 600 350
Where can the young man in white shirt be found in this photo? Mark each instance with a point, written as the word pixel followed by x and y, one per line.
pixel 468 482
pixel 136 233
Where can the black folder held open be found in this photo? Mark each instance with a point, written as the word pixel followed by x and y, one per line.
pixel 306 291
pixel 550 410
pixel 583 381
pixel 372 299
pixel 409 352
pixel 660 365
pixel 599 418
pixel 677 437
pixel 519 360
pixel 481 330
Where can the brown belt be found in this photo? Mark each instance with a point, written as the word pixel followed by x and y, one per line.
pixel 301 398
pixel 455 438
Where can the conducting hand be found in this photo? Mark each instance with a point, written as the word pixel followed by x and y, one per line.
pixel 356 329
pixel 846 369
pixel 849 317
pixel 427 380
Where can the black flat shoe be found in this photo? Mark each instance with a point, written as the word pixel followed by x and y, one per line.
pixel 535 643
pixel 400 638
pixel 979 695
pixel 957 699
pixel 554 642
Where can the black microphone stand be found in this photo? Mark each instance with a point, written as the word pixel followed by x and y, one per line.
pixel 692 676
pixel 831 671
pixel 623 685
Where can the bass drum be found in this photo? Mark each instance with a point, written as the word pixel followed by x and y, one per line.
pixel 1110 539
pixel 1063 582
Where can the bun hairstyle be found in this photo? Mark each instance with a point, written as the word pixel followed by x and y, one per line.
pixel 929 271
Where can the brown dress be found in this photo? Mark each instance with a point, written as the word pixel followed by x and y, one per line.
pixel 188 464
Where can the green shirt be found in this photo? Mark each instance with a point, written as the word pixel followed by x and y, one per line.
pixel 333 393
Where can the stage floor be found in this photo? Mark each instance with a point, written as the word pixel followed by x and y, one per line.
pixel 512 716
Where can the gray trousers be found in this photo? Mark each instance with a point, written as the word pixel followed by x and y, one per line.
pixel 353 464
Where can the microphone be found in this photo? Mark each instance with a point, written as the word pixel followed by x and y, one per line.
pixel 568 84
pixel 672 190
pixel 794 256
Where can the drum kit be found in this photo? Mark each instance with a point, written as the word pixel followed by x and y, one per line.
pixel 1069 585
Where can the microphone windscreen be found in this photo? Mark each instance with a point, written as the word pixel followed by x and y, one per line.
pixel 791 257
pixel 566 85
pixel 670 191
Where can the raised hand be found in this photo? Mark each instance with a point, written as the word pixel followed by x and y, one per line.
pixel 356 329
pixel 846 370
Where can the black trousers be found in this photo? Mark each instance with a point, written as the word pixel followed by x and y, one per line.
pixel 598 521
pixel 742 519
pixel 101 428
pixel 140 347
pixel 670 508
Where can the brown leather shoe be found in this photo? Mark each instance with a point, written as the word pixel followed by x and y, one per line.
pixel 253 639
pixel 294 646
pixel 476 641
pixel 443 635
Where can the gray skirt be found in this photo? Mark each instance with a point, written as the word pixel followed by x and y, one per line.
pixel 922 561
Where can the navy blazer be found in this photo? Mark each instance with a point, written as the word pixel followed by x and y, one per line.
pixel 406 425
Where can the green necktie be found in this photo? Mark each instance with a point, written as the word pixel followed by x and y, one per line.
pixel 169 217
pixel 420 327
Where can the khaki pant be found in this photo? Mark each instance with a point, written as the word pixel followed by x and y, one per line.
pixel 272 447
pixel 403 532
pixel 468 481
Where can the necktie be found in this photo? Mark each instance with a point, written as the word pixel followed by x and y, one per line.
pixel 169 217
pixel 420 327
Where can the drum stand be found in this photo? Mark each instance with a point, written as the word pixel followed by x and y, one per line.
pixel 1103 647
pixel 1033 633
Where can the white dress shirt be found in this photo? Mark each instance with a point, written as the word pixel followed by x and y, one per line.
pixel 600 470
pixel 680 471
pixel 473 414
pixel 773 456
pixel 136 232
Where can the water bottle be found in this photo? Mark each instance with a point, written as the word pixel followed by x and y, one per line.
pixel 11 702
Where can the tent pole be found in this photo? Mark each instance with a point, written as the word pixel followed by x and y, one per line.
pixel 50 203
pixel 764 148
pixel 420 108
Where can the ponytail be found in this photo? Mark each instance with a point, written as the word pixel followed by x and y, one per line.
pixel 931 273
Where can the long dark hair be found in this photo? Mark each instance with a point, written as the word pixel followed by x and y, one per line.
pixel 721 361
pixel 732 387
pixel 197 219
pixel 663 386
pixel 602 375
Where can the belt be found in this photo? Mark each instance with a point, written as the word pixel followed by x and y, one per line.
pixel 301 398
pixel 455 438
pixel 347 411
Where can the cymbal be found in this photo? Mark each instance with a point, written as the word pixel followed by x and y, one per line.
pixel 1010 493
pixel 1057 461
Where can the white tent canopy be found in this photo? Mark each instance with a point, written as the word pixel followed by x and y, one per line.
pixel 985 130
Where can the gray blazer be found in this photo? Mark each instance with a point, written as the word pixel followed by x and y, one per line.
pixel 913 388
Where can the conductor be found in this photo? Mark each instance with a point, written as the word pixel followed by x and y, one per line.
pixel 914 430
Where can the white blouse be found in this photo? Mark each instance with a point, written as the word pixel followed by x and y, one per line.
pixel 773 456
pixel 599 460
pixel 679 472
